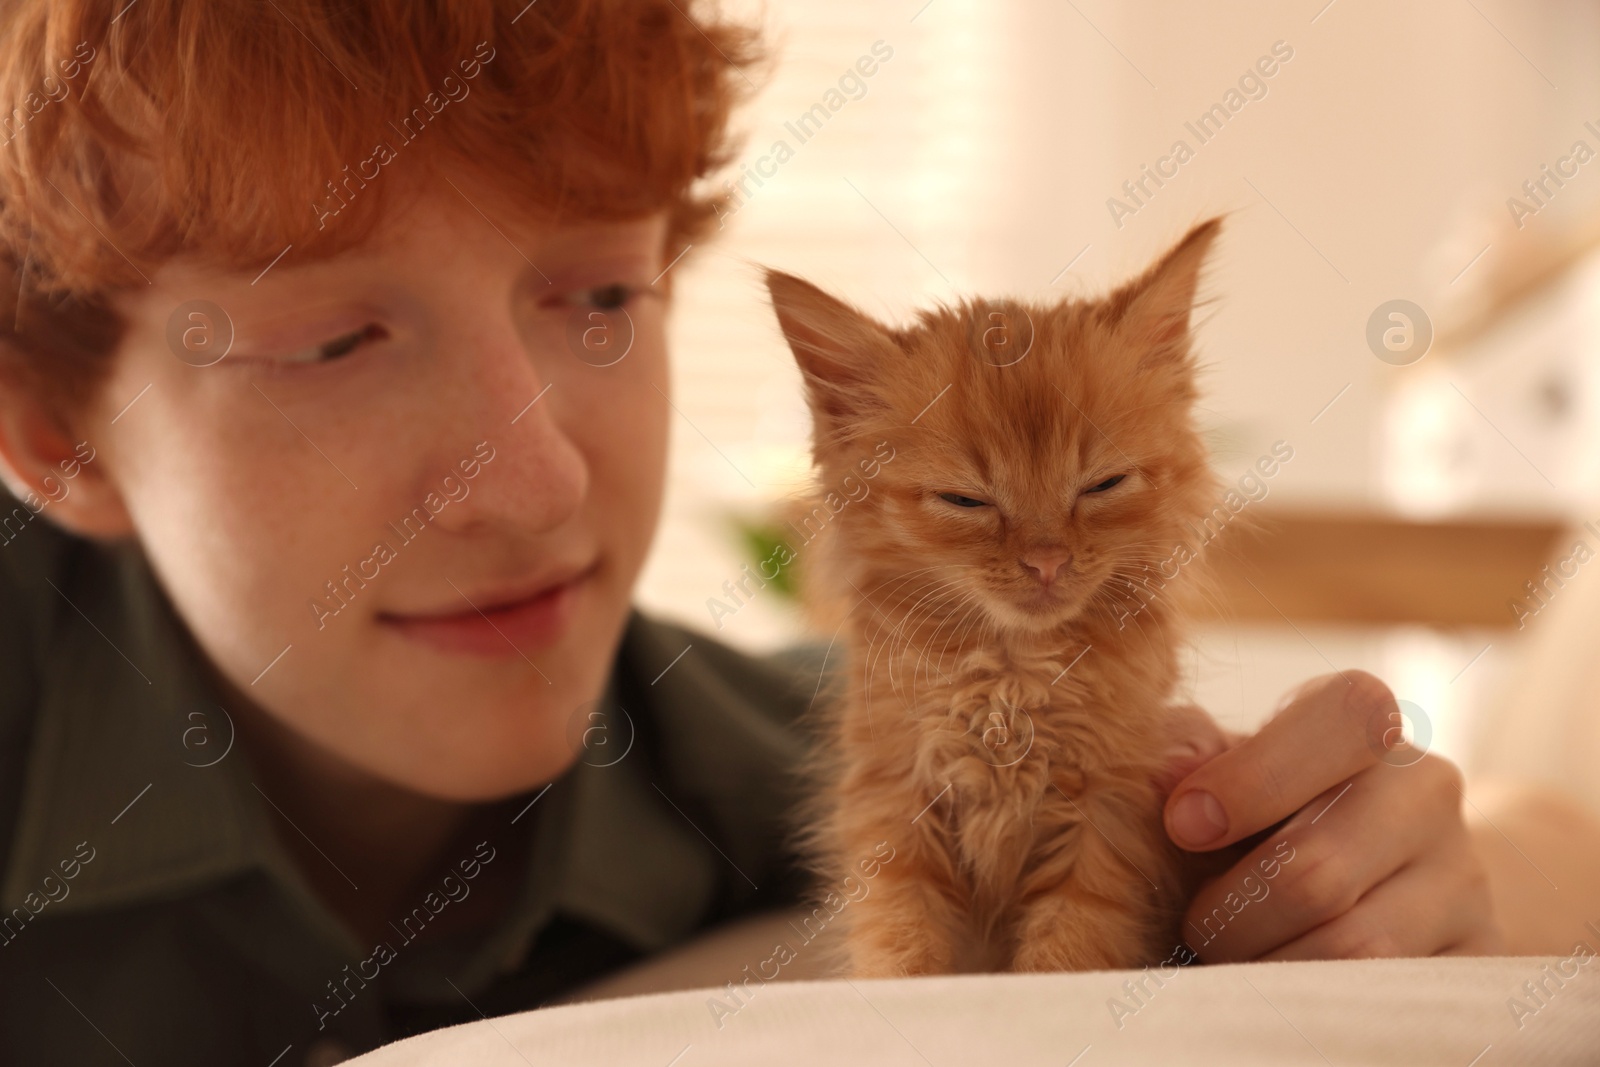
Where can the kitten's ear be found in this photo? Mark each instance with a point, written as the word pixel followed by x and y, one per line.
pixel 840 350
pixel 1156 305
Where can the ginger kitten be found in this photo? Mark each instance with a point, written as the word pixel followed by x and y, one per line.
pixel 1009 650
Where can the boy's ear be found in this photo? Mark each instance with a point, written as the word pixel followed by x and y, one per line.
pixel 55 473
pixel 842 352
pixel 1156 305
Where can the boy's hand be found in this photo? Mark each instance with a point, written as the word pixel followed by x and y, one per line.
pixel 1382 862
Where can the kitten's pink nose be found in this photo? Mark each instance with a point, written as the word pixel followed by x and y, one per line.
pixel 1045 565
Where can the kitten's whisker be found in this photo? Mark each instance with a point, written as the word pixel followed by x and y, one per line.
pixel 883 618
pixel 944 604
pixel 926 591
pixel 914 626
pixel 972 613
pixel 906 628
pixel 936 594
pixel 898 580
pixel 1143 633
pixel 876 651
pixel 978 614
pixel 968 598
pixel 1110 597
pixel 954 614
pixel 895 579
pixel 939 589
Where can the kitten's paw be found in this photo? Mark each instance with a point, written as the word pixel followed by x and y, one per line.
pixel 897 961
pixel 1057 956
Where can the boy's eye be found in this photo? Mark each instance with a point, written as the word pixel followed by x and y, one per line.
pixel 963 501
pixel 610 297
pixel 339 346
pixel 1109 483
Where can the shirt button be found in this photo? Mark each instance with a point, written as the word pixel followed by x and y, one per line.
pixel 325 1052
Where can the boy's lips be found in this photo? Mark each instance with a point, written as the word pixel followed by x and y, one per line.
pixel 503 620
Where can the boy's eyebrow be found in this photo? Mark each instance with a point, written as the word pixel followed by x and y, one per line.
pixel 553 249
pixel 619 238
pixel 614 238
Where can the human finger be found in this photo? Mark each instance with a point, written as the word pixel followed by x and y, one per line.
pixel 1330 730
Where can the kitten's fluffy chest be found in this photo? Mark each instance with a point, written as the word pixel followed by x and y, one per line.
pixel 1018 751
pixel 1003 709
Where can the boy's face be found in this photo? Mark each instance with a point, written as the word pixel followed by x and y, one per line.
pixel 371 428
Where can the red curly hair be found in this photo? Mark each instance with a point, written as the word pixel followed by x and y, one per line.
pixel 131 133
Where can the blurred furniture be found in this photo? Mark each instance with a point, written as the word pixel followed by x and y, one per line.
pixel 1341 567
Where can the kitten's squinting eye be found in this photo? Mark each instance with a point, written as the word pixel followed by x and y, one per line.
pixel 1109 483
pixel 963 501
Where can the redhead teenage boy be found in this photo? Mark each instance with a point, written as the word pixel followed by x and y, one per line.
pixel 325 717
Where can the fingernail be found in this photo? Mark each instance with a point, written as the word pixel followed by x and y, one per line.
pixel 1198 819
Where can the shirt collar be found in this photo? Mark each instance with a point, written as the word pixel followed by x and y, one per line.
pixel 608 846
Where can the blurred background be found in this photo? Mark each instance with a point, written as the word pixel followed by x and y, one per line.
pixel 1446 450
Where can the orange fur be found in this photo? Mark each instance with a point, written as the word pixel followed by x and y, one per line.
pixel 1002 734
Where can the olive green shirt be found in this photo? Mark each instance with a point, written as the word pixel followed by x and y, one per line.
pixel 149 913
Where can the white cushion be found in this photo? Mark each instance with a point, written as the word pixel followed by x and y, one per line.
pixel 1448 1011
